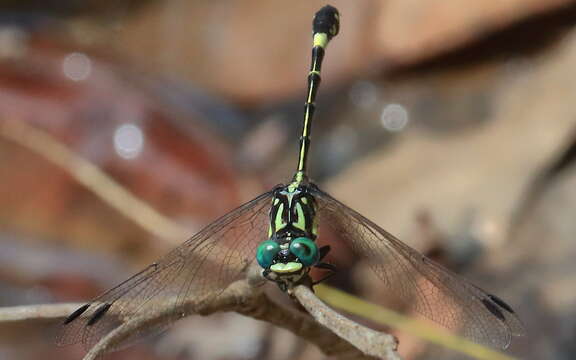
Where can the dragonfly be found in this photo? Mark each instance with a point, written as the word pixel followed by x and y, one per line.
pixel 279 230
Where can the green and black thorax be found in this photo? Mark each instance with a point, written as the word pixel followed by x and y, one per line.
pixel 293 213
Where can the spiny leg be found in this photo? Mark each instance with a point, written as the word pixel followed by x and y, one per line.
pixel 332 272
pixel 324 250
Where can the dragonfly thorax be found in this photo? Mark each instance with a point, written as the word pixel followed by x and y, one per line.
pixel 293 213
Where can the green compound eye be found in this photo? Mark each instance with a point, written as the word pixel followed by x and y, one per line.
pixel 266 252
pixel 305 250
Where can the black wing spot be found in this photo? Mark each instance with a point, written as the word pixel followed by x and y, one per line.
pixel 501 303
pixel 101 311
pixel 493 309
pixel 75 314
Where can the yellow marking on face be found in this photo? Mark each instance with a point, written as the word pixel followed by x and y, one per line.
pixel 304 201
pixel 286 268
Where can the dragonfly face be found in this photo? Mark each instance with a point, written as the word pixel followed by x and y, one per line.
pixel 291 249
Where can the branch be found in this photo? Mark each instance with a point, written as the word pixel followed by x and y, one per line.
pixel 333 334
pixel 36 312
pixel 369 341
pixel 421 328
pixel 248 298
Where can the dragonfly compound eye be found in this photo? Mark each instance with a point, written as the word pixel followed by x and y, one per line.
pixel 305 250
pixel 266 252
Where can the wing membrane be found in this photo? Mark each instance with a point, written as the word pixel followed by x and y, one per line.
pixel 419 283
pixel 204 265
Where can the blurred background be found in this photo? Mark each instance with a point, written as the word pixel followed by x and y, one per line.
pixel 452 124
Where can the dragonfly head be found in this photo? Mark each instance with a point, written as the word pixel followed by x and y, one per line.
pixel 287 256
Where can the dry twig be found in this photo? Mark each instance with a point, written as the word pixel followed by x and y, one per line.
pixel 332 336
pixel 332 333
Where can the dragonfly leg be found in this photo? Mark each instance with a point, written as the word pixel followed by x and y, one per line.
pixel 324 250
pixel 323 279
pixel 266 274
pixel 332 271
pixel 327 266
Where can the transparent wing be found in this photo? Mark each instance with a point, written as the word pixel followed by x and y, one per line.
pixel 202 266
pixel 418 283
